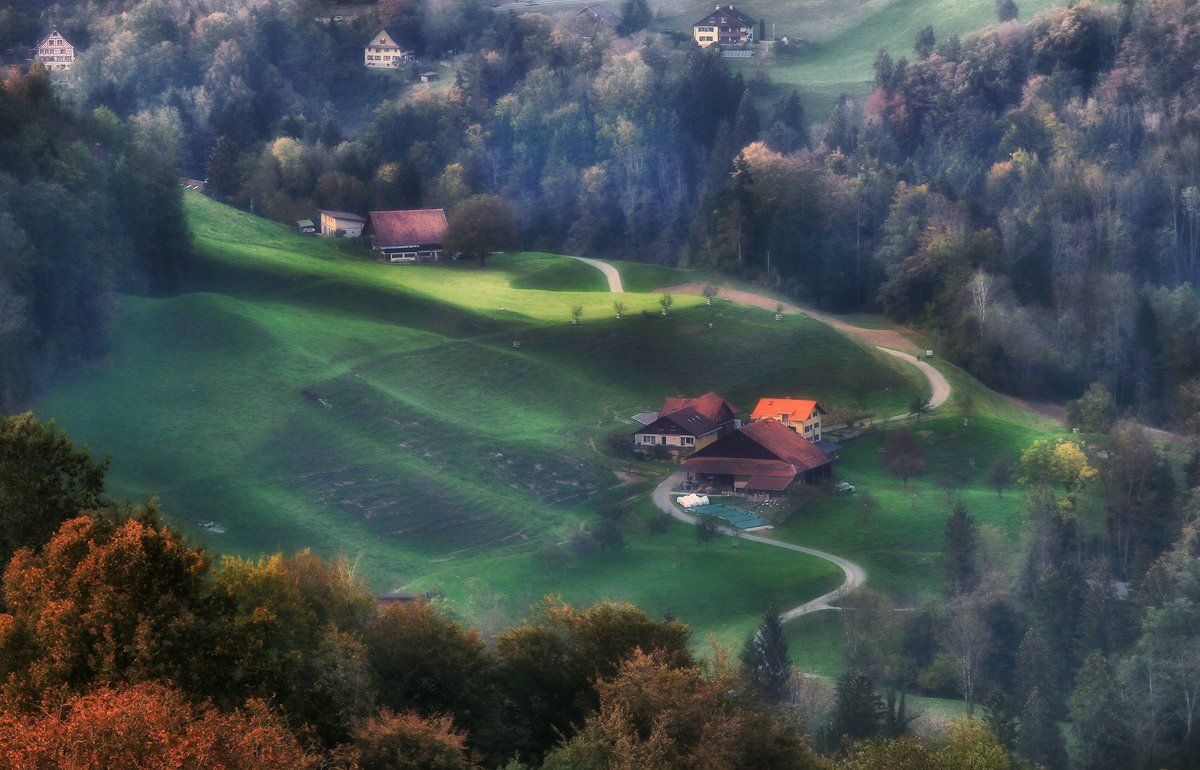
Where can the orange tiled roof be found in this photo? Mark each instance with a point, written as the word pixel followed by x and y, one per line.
pixel 792 408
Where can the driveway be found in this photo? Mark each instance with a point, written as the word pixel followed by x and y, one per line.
pixel 854 574
pixel 610 272
pixel 889 341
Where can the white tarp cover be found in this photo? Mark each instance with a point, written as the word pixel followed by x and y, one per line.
pixel 693 500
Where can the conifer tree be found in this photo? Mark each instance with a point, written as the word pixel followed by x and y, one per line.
pixel 859 711
pixel 765 657
pixel 961 546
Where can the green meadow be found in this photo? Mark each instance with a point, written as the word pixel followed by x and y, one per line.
pixel 445 428
pixel 900 541
pixel 841 37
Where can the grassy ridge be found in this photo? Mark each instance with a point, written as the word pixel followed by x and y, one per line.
pixel 302 396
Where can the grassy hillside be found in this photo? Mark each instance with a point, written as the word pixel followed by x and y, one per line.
pixel 900 542
pixel 843 35
pixel 302 396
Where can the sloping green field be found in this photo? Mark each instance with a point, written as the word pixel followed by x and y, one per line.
pixel 842 36
pixel 300 395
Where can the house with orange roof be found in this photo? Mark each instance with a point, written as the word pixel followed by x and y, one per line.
pixel 799 414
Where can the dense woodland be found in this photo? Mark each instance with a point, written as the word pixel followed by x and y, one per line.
pixel 1028 194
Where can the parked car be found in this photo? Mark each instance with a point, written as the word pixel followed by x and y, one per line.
pixel 844 488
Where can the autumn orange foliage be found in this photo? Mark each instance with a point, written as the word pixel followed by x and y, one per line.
pixel 147 726
pixel 107 600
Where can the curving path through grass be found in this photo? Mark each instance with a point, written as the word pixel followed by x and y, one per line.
pixel 611 273
pixel 887 340
pixel 855 574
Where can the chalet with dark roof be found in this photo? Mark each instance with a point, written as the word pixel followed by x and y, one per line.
pixel 761 458
pixel 682 430
pixel 686 424
pixel 711 405
pixel 598 14
pixel 405 237
pixel 724 26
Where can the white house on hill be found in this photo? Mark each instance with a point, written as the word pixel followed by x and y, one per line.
pixel 55 52
pixel 384 51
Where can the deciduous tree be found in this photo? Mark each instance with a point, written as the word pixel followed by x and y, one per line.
pixel 480 225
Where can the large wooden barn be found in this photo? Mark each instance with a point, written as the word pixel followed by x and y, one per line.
pixel 761 458
pixel 409 236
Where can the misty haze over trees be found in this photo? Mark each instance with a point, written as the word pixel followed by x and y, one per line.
pixel 1027 196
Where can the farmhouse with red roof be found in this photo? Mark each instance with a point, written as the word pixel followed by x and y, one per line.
pixel 685 424
pixel 409 236
pixel 761 458
pixel 801 415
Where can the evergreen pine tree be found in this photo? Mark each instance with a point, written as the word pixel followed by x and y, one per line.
pixel 961 546
pixel 859 711
pixel 924 43
pixel 221 169
pixel 789 124
pixel 1039 740
pixel 766 659
pixel 746 124
pixel 635 16
pixel 1006 10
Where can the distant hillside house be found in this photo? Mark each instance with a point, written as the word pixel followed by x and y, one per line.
pixel 711 405
pixel 55 52
pixel 409 236
pixel 724 26
pixel 683 430
pixel 598 14
pixel 801 415
pixel 384 52
pixel 341 224
pixel 306 226
pixel 760 458
pixel 686 424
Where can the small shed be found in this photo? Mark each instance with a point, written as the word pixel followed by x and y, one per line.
pixel 306 226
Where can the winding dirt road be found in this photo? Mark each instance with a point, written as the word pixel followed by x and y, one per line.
pixel 888 341
pixel 855 575
pixel 610 272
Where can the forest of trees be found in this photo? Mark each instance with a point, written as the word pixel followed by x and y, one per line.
pixel 1079 644
pixel 89 205
pixel 1030 194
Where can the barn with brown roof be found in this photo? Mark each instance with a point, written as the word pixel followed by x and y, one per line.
pixel 409 236
pixel 761 458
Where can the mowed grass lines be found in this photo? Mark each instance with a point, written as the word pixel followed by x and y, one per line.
pixel 300 395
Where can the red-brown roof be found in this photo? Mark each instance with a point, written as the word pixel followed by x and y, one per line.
pixel 708 405
pixel 768 483
pixel 736 466
pixel 418 227
pixel 792 408
pixel 763 448
pixel 786 444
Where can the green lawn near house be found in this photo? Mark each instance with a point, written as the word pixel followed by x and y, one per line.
pixel 300 395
